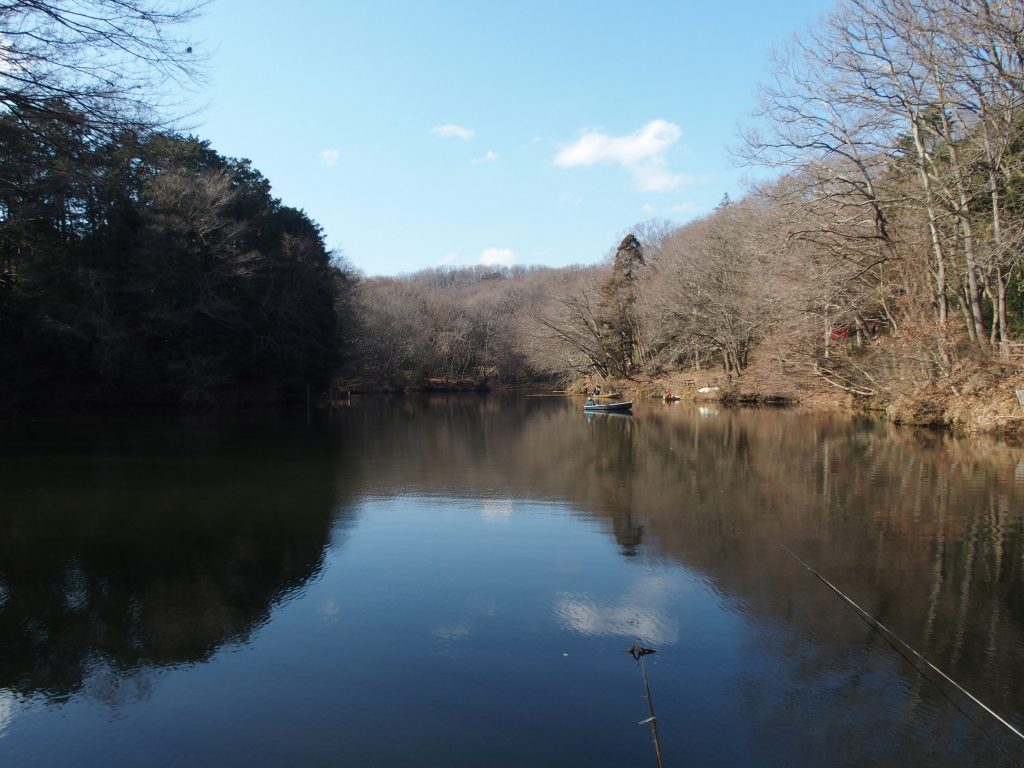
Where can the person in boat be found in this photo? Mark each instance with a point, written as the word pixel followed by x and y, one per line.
pixel 597 391
pixel 590 401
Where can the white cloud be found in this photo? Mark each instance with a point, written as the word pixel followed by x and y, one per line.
pixel 648 143
pixel 448 259
pixel 487 157
pixel 451 131
pixel 330 157
pixel 641 152
pixel 653 177
pixel 648 208
pixel 570 199
pixel 11 62
pixel 687 206
pixel 498 257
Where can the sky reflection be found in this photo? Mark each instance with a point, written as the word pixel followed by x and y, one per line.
pixel 641 612
pixel 422 573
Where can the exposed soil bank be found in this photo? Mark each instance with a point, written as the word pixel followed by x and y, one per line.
pixel 974 400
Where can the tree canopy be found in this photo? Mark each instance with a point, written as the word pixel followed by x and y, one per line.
pixel 147 267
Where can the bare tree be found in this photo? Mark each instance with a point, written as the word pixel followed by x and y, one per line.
pixel 573 328
pixel 709 297
pixel 105 60
pixel 887 92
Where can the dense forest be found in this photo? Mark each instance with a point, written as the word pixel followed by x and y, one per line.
pixel 151 269
pixel 879 254
pixel 138 264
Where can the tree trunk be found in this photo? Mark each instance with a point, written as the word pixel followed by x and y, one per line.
pixel 941 301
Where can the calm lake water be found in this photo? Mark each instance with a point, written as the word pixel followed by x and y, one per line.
pixel 454 581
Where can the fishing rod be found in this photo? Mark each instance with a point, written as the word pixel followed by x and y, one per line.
pixel 638 653
pixel 891 636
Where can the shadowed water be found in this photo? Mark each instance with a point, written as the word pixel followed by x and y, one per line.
pixel 455 581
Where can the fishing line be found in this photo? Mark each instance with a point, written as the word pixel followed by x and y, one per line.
pixel 888 635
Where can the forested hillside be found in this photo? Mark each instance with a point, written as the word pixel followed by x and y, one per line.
pixel 881 254
pixel 878 252
pixel 138 264
pixel 145 267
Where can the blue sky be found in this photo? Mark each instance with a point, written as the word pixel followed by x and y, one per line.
pixel 427 133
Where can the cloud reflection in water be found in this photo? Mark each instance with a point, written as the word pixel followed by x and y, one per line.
pixel 453 632
pixel 8 711
pixel 640 613
pixel 496 509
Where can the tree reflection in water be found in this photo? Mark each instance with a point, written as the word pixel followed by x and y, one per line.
pixel 126 549
pixel 923 529
pixel 148 544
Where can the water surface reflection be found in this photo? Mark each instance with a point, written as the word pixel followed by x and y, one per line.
pixel 450 580
pixel 921 528
pixel 148 545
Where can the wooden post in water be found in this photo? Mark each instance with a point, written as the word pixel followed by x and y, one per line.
pixel 638 653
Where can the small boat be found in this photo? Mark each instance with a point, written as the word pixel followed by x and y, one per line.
pixel 592 406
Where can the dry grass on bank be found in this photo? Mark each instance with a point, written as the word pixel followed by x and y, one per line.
pixel 977 397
